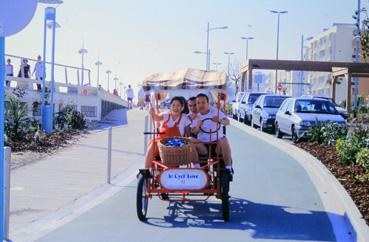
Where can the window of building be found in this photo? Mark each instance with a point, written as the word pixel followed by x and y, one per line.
pixel 89 111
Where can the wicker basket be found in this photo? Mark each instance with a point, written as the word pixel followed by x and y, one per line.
pixel 175 156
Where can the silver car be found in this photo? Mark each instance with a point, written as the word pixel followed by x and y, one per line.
pixel 297 115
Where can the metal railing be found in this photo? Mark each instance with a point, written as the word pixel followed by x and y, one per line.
pixel 62 72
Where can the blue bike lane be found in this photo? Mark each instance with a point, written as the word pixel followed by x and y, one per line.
pixel 273 199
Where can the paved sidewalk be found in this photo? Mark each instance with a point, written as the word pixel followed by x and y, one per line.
pixel 41 188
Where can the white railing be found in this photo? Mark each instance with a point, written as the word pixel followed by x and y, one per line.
pixel 67 74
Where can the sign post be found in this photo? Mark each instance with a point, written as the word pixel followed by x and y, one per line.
pixel 12 20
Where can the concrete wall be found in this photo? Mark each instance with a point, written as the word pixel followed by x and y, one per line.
pixel 93 102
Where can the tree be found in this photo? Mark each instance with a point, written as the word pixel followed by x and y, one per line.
pixel 234 74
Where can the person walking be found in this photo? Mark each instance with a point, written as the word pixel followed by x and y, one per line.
pixel 38 71
pixel 25 69
pixel 9 71
pixel 141 98
pixel 130 96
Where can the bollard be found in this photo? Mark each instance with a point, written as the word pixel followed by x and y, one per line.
pixel 109 155
pixel 145 136
pixel 7 158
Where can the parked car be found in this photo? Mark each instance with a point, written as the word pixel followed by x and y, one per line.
pixel 297 115
pixel 264 111
pixel 236 104
pixel 245 107
pixel 340 110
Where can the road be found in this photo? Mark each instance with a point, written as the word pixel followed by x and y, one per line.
pixel 273 199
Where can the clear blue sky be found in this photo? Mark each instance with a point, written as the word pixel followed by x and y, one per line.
pixel 141 37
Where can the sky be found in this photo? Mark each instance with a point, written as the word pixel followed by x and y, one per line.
pixel 138 38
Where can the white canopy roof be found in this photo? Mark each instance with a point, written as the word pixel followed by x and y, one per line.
pixel 185 79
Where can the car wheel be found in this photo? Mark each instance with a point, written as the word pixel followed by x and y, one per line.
pixel 294 135
pixel 262 126
pixel 278 132
pixel 253 124
pixel 239 119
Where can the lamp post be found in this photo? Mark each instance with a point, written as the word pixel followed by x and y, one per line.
pixel 98 63
pixel 229 59
pixel 83 51
pixel 208 44
pixel 115 82
pixel 202 53
pixel 120 89
pixel 47 110
pixel 247 45
pixel 216 64
pixel 108 72
pixel 357 58
pixel 276 71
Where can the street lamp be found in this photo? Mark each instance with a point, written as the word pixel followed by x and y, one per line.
pixel 108 72
pixel 229 59
pixel 207 43
pixel 247 45
pixel 115 82
pixel 357 59
pixel 47 111
pixel 202 53
pixel 276 71
pixel 216 64
pixel 98 63
pixel 120 88
pixel 83 51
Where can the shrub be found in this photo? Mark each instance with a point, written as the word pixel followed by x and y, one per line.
pixel 16 120
pixel 332 132
pixel 69 118
pixel 328 132
pixel 363 178
pixel 316 134
pixel 78 120
pixel 360 136
pixel 347 151
pixel 362 158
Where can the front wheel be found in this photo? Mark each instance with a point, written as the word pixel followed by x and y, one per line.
pixel 142 200
pixel 224 190
pixel 294 135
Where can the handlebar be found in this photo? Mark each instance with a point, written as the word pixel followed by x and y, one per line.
pixel 148 133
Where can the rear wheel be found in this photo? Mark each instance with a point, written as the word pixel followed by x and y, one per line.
pixel 224 191
pixel 278 132
pixel 142 200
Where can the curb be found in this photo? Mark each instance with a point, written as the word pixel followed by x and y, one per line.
pixel 333 195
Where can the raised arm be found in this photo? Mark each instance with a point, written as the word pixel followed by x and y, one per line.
pixel 156 117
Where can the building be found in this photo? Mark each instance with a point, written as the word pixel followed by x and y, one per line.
pixel 363 82
pixel 333 44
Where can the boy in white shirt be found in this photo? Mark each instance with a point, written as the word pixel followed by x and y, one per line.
pixel 206 122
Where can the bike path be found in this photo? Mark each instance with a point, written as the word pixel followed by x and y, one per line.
pixel 273 199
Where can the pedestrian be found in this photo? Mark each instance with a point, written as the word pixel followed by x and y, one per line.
pixel 38 71
pixel 147 101
pixel 25 69
pixel 130 96
pixel 141 98
pixel 9 71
